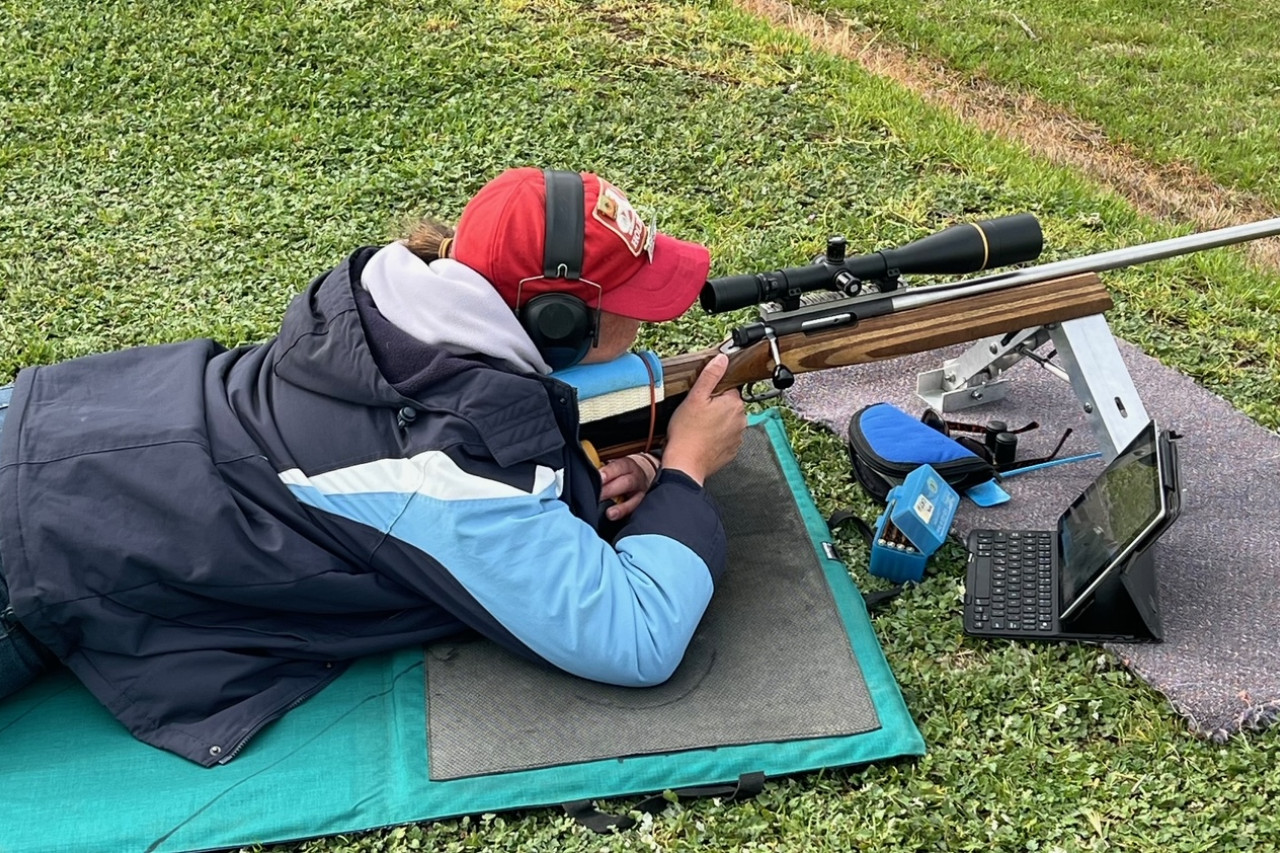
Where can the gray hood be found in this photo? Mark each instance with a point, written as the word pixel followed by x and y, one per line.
pixel 448 305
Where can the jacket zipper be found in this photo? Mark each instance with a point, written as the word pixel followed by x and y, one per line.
pixel 268 718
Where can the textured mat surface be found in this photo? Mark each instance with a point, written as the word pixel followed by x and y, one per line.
pixel 354 757
pixel 771 661
pixel 1218 567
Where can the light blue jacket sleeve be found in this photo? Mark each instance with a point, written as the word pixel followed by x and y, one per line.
pixel 620 613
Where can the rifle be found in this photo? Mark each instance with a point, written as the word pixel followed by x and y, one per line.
pixel 842 311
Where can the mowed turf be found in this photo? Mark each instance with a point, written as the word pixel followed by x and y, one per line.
pixel 1180 82
pixel 181 169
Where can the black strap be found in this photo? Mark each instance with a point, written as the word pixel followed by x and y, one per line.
pixel 1012 467
pixel 566 225
pixel 585 812
pixel 840 516
pixel 874 600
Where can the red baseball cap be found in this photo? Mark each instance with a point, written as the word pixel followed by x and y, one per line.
pixel 641 275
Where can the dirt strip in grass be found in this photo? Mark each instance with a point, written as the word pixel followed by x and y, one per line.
pixel 1179 194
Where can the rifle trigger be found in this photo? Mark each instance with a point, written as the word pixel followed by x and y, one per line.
pixel 752 397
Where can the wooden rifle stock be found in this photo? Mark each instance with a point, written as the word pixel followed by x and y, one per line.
pixel 913 330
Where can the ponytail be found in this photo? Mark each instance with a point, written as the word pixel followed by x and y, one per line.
pixel 429 240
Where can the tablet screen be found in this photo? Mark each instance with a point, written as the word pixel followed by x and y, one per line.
pixel 1111 518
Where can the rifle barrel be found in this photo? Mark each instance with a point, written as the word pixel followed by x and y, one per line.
pixel 1100 262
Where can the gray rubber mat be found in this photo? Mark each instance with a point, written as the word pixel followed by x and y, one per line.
pixel 771 661
pixel 1218 567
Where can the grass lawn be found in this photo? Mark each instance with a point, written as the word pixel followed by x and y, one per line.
pixel 1186 81
pixel 181 169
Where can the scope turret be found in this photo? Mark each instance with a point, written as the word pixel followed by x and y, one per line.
pixel 965 248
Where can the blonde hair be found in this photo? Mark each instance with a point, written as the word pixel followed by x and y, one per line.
pixel 429 239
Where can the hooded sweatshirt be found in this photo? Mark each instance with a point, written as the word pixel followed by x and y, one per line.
pixel 206 536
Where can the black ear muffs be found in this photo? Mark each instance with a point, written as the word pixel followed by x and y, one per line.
pixel 562 326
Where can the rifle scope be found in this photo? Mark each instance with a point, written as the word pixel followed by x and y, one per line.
pixel 969 247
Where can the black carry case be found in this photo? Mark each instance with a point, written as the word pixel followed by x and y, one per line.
pixel 886 444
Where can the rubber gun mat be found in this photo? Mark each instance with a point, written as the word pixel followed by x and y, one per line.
pixel 354 757
pixel 1218 567
pixel 770 661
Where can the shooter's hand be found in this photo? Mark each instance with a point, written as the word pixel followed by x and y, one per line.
pixel 625 481
pixel 705 431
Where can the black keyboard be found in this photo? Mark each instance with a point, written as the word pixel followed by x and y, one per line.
pixel 1013 581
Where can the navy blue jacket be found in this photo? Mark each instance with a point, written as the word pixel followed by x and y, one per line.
pixel 206 536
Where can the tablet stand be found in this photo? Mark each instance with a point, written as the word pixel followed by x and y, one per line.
pixel 1124 607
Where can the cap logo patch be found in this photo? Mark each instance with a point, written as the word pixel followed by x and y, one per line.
pixel 614 212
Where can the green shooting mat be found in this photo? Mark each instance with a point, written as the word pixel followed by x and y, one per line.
pixel 359 755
